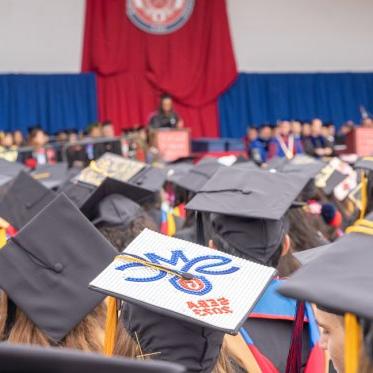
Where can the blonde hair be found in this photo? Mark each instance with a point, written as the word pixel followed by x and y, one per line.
pixel 86 336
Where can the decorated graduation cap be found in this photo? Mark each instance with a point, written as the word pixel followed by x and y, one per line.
pixel 52 176
pixel 341 276
pixel 247 210
pixel 194 180
pixel 365 166
pixel 114 174
pixel 34 359
pixel 110 165
pixel 24 198
pixel 183 281
pixel 364 163
pixel 46 268
pixel 117 210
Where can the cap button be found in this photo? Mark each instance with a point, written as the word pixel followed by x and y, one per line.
pixel 246 191
pixel 58 267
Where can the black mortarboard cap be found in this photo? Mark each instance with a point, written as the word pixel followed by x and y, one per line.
pixel 176 171
pixel 247 210
pixel 340 279
pixel 248 194
pixel 302 164
pixel 196 178
pixel 24 198
pixel 51 176
pixel 10 169
pixel 46 268
pixel 364 163
pixel 34 359
pixel 116 209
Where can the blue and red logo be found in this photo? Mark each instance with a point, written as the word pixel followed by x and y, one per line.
pixel 212 265
pixel 159 16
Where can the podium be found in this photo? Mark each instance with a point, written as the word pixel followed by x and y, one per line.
pixel 360 141
pixel 172 144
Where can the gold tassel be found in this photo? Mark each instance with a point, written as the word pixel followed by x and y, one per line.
pixel 364 195
pixel 352 343
pixel 110 326
pixel 2 238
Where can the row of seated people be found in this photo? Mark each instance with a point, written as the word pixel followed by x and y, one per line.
pixel 289 138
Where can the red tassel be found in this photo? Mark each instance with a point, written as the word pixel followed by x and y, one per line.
pixel 294 361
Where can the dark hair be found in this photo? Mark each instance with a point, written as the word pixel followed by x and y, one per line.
pixel 120 237
pixel 107 122
pixel 302 231
pixel 165 95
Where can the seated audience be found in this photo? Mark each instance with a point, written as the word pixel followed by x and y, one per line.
pixel 8 150
pixel 40 154
pixel 346 128
pixel 285 144
pixel 317 145
pixel 258 147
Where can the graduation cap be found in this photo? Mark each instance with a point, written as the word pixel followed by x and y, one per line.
pixel 10 169
pixel 24 198
pixel 247 210
pixel 110 165
pixel 248 193
pixel 176 171
pixel 194 180
pixel 34 359
pixel 364 163
pixel 116 209
pixel 171 277
pixel 341 279
pixel 52 176
pixel 308 166
pixel 46 268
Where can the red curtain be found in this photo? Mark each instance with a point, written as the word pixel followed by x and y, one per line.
pixel 194 64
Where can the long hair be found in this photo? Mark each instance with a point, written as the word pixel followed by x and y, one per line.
pixel 88 335
pixel 120 237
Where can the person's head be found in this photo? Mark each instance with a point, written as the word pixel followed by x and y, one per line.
pixel 367 123
pixel 7 140
pixel 244 238
pixel 108 129
pixel 62 136
pixel 332 336
pixel 121 220
pixel 16 327
pixel 72 137
pixel 316 127
pixel 252 133
pixel 166 104
pixel 18 138
pixel 325 131
pixel 347 127
pixel 306 129
pixel 94 130
pixel 284 128
pixel 37 138
pixel 331 128
pixel 296 128
pixel 265 132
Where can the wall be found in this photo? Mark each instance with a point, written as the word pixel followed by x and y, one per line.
pixel 268 35
pixel 302 35
pixel 41 35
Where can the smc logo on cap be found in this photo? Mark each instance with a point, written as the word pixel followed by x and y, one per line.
pixel 159 16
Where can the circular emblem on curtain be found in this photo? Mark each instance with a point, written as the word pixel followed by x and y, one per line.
pixel 159 16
